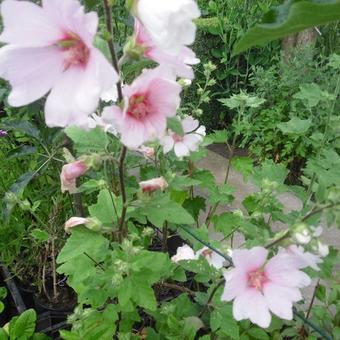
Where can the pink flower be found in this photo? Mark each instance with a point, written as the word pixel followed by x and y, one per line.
pixel 153 184
pixel 51 48
pixel 69 174
pixel 180 63
pixel 183 145
pixel 149 100
pixel 259 287
pixel 184 253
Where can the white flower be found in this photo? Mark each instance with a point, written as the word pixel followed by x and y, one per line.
pixel 184 253
pixel 110 95
pixel 300 258
pixel 212 257
pixel 182 145
pixel 187 253
pixel 169 22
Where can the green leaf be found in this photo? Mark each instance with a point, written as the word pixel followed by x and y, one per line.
pixel 290 17
pixel 104 208
pixel 84 141
pixel 258 333
pixel 40 235
pixel 21 151
pixel 222 318
pixel 16 189
pixel 23 326
pixel 164 209
pixel 219 137
pixel 270 171
pixel 227 222
pixel 221 194
pixel 23 126
pixel 83 241
pixel 3 293
pixel 295 126
pixel 243 165
pixel 3 334
pixel 175 125
pixel 310 94
pixel 2 307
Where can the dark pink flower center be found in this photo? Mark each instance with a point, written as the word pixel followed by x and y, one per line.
pixel 75 52
pixel 177 138
pixel 138 107
pixel 257 279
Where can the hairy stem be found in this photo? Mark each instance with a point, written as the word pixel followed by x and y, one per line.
pixel 122 191
pixel 205 308
pixel 108 20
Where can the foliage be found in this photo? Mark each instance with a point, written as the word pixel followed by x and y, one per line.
pixel 288 18
pixel 22 327
pixel 119 261
pixel 289 126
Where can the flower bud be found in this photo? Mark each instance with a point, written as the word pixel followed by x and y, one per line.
pixel 90 223
pixel 153 184
pixel 302 234
pixel 69 174
pixel 148 152
pixel 147 232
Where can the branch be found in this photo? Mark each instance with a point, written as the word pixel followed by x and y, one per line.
pixel 177 287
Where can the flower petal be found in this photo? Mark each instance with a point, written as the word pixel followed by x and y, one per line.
pixel 279 300
pixel 27 25
pixel 181 150
pixel 32 72
pixel 248 260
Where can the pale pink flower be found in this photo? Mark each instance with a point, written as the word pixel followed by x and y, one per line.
pixel 153 184
pixel 180 63
pixel 301 258
pixel 168 22
pixel 183 145
pixel 149 101
pixel 214 259
pixel 184 253
pixel 51 48
pixel 74 222
pixel 69 174
pixel 259 287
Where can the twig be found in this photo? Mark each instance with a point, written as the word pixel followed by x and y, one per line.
pixel 211 297
pixel 177 287
pixel 313 299
pixel 316 211
pixel 275 242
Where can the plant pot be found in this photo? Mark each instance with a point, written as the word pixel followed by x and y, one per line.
pixel 42 306
pixel 26 293
pixel 50 323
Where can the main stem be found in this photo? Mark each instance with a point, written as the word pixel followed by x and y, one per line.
pixel 108 18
